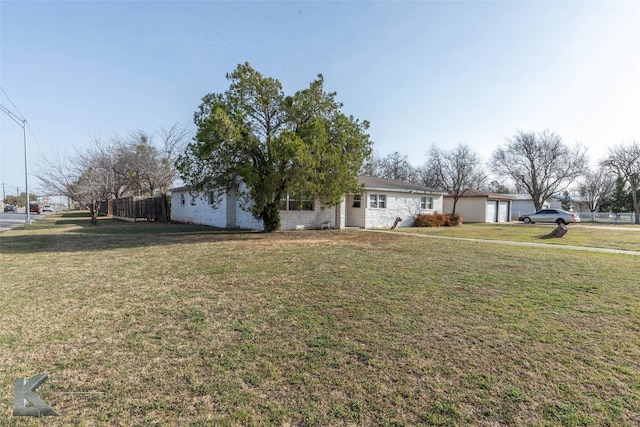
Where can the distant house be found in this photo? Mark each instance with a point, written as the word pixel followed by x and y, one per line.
pixel 577 203
pixel 481 206
pixel 378 205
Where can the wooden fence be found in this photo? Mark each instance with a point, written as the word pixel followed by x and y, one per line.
pixel 137 208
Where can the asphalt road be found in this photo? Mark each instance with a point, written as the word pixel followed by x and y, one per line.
pixel 9 220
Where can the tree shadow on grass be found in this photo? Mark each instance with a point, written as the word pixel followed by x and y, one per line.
pixel 74 233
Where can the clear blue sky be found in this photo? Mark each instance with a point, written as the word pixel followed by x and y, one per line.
pixel 422 73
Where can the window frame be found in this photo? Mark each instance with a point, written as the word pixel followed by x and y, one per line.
pixel 357 200
pixel 296 202
pixel 211 198
pixel 377 201
pixel 426 203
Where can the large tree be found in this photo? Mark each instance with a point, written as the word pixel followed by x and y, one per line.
pixel 595 187
pixel 254 140
pixel 144 167
pixel 455 171
pixel 392 166
pixel 625 161
pixel 539 163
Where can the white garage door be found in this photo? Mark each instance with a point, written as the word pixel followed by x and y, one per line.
pixel 491 212
pixel 503 212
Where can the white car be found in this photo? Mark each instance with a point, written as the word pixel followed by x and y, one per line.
pixel 47 208
pixel 551 215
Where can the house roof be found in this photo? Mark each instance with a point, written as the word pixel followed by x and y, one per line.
pixel 183 188
pixel 382 184
pixel 520 196
pixel 476 193
pixel 576 199
pixel 377 184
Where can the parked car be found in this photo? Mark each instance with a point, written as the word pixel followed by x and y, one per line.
pixel 10 208
pixel 47 208
pixel 34 207
pixel 551 215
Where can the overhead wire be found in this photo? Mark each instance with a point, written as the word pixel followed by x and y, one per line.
pixel 25 121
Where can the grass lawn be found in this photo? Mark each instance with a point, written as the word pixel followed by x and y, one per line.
pixel 160 324
pixel 624 237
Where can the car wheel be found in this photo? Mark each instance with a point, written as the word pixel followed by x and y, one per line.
pixel 526 220
pixel 560 221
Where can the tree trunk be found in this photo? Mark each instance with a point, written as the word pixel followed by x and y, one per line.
pixel 270 218
pixel 636 205
pixel 559 232
pixel 166 214
pixel 94 214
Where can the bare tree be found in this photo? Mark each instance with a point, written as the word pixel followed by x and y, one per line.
pixel 540 164
pixel 372 165
pixel 392 166
pixel 144 167
pixel 595 187
pixel 625 161
pixel 427 176
pixel 86 177
pixel 498 188
pixel 456 171
pixel 396 166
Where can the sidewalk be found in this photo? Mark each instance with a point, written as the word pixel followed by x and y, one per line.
pixel 511 243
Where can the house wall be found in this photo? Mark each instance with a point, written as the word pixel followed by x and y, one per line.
pixel 197 210
pixel 403 205
pixel 473 209
pixel 245 220
pixel 354 216
pixel 292 220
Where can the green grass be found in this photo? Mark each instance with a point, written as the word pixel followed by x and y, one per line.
pixel 144 323
pixel 623 237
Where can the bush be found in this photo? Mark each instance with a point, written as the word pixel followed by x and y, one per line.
pixel 437 220
pixel 453 220
pixel 428 220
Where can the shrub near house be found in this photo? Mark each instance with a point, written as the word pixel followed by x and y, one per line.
pixel 437 220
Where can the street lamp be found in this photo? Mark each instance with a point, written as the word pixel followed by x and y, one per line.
pixel 23 123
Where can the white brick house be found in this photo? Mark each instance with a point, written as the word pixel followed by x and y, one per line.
pixel 384 200
pixel 377 206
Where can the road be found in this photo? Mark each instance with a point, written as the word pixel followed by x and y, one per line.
pixel 9 220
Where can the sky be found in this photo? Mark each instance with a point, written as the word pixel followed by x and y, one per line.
pixel 422 73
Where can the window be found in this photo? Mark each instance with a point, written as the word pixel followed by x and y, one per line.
pixel 377 201
pixel 357 199
pixel 182 199
pixel 296 202
pixel 211 198
pixel 426 202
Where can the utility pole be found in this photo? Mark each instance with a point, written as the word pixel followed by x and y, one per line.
pixel 23 123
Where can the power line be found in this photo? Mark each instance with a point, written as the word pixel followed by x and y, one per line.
pixel 14 105
pixel 21 116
